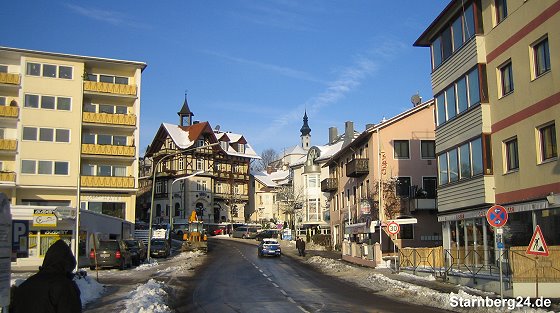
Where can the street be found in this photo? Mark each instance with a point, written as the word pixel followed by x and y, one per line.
pixel 235 279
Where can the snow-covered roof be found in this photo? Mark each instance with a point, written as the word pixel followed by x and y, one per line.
pixel 178 135
pixel 272 179
pixel 237 138
pixel 327 151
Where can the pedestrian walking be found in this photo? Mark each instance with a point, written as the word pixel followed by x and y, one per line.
pixel 302 247
pixel 52 289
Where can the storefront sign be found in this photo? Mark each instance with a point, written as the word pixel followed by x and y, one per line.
pixel 102 198
pixel 44 218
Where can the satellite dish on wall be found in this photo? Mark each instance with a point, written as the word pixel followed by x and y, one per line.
pixel 416 99
pixel 217 128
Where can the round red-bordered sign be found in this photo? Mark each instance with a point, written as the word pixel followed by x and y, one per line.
pixel 393 228
pixel 497 216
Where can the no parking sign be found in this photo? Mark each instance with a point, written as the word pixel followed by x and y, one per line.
pixel 497 216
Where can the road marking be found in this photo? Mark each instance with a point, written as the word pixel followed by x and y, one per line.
pixel 283 292
pixel 275 285
pixel 291 300
pixel 260 271
pixel 269 279
pixel 302 309
pixel 265 275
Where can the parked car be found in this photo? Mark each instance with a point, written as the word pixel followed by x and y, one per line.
pixel 245 232
pixel 269 247
pixel 267 233
pixel 110 253
pixel 138 250
pixel 160 248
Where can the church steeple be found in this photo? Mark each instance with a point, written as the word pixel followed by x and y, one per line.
pixel 305 132
pixel 185 112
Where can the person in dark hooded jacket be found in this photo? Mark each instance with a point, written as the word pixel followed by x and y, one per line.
pixel 52 289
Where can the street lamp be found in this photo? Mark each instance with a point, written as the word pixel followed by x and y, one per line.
pixel 172 208
pixel 154 167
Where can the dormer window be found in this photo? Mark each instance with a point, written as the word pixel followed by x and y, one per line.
pixel 200 142
pixel 241 148
pixel 224 145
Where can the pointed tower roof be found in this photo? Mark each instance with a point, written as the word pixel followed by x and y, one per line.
pixel 305 130
pixel 185 108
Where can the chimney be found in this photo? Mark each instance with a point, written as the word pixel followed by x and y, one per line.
pixel 270 169
pixel 348 132
pixel 333 133
pixel 368 126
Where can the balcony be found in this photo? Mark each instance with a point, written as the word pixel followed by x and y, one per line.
pixel 357 167
pixel 106 118
pixel 110 88
pixel 7 176
pixel 423 204
pixel 9 111
pixel 127 151
pixel 8 145
pixel 228 196
pixel 107 182
pixel 10 79
pixel 329 184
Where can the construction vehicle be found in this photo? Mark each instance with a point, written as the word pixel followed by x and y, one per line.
pixel 194 236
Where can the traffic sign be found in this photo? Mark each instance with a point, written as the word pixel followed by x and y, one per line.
pixel 538 245
pixel 497 216
pixel 393 228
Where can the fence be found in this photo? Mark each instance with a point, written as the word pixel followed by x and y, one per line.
pixel 517 266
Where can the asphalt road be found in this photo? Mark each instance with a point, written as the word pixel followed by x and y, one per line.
pixel 235 279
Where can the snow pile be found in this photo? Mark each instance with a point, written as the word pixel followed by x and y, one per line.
pixel 147 265
pixel 149 297
pixel 90 289
pixel 410 276
pixel 328 265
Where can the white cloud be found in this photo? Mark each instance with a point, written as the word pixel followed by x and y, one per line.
pixel 111 17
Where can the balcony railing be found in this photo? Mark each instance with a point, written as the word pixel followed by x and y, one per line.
pixel 117 89
pixel 8 78
pixel 228 196
pixel 7 111
pixel 357 167
pixel 8 176
pixel 329 184
pixel 8 145
pixel 108 150
pixel 423 204
pixel 107 181
pixel 106 118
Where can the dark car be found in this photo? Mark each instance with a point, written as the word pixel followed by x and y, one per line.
pixel 160 248
pixel 137 249
pixel 110 253
pixel 267 233
pixel 269 247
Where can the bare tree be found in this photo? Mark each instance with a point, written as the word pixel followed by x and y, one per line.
pixel 267 157
pixel 392 205
pixel 291 202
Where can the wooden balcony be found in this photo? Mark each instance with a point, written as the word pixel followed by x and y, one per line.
pixel 108 150
pixel 8 145
pixel 7 176
pixel 9 78
pixel 110 88
pixel 329 184
pixel 357 167
pixel 7 111
pixel 107 182
pixel 106 118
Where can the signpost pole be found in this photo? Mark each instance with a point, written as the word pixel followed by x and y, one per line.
pixel 537 276
pixel 501 276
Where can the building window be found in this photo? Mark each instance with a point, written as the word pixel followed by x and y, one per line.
pixel 501 10
pixel 428 149
pixel 462 162
pixel 49 70
pixel 181 164
pixel 442 169
pixel 116 209
pixel 107 79
pixel 218 187
pixel 541 56
pixel 46 134
pixel 199 164
pixel 200 143
pixel 43 167
pixel 452 155
pixel 506 78
pixel 48 102
pixel 458 97
pixel 407 231
pixel 549 148
pixel 512 156
pixel 429 185
pixel 401 149
pixel 403 187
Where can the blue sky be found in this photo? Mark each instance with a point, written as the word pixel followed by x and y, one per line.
pixel 250 66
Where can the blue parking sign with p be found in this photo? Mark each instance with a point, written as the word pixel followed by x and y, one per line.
pixel 20 236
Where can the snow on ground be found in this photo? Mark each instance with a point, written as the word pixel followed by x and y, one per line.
pixel 414 293
pixel 150 297
pixel 90 289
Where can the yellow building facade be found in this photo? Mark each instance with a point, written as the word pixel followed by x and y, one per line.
pixel 69 129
